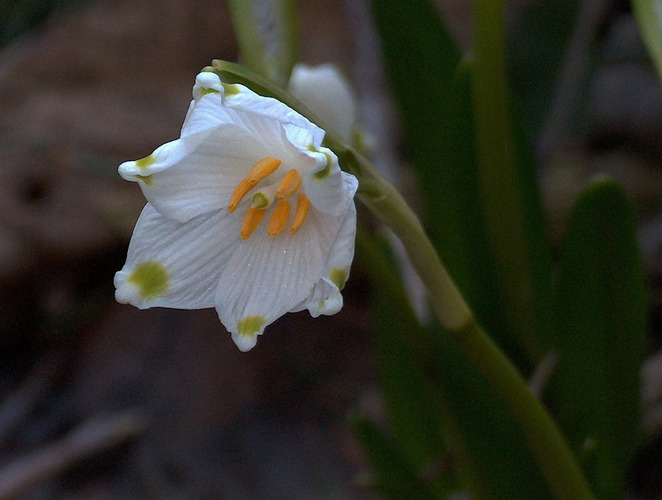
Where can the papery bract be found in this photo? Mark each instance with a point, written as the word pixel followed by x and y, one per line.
pixel 247 212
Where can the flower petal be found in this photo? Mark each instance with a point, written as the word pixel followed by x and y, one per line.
pixel 170 264
pixel 197 173
pixel 269 276
pixel 248 102
pixel 208 109
pixel 325 297
pixel 326 185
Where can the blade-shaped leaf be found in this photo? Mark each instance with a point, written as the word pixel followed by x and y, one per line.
pixel 266 31
pixel 537 52
pixel 649 16
pixel 441 410
pixel 431 87
pixel 412 401
pixel 492 450
pixel 601 304
pixel 509 197
pixel 433 92
pixel 422 62
pixel 394 477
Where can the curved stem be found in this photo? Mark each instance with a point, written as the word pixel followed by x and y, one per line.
pixel 553 455
pixel 557 463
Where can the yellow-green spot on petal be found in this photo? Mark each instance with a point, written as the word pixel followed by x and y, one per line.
pixel 145 162
pixel 230 89
pixel 323 174
pixel 259 200
pixel 312 148
pixel 147 179
pixel 204 92
pixel 151 278
pixel 338 277
pixel 250 325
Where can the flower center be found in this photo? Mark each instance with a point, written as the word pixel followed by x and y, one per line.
pixel 265 196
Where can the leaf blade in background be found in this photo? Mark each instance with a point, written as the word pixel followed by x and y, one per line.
pixel 538 45
pixel 601 304
pixel 494 449
pixel 648 14
pixel 412 402
pixel 431 388
pixel 432 89
pixel 509 195
pixel 267 35
pixel 394 477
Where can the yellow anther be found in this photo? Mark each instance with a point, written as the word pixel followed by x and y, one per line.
pixel 301 212
pixel 289 185
pixel 261 170
pixel 251 221
pixel 279 218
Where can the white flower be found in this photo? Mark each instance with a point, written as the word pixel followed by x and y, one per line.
pixel 325 91
pixel 246 212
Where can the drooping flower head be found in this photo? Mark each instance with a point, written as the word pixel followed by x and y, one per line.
pixel 247 212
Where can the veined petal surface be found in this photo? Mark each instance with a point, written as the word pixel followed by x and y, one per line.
pixel 193 247
pixel 193 255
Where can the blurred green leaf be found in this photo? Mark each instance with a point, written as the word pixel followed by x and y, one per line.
pixel 432 88
pixel 487 224
pixel 601 304
pixel 492 451
pixel 267 35
pixel 537 50
pixel 509 196
pixel 414 408
pixel 442 412
pixel 649 16
pixel 394 476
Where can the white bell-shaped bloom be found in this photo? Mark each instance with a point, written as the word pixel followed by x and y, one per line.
pixel 246 212
pixel 326 92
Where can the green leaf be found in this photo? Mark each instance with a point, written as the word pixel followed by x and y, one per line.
pixel 394 476
pixel 537 48
pixel 432 86
pixel 412 401
pixel 267 35
pixel 601 304
pixel 441 411
pixel 422 61
pixel 509 197
pixel 493 457
pixel 649 16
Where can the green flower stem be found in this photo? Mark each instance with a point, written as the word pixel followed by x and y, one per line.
pixel 552 453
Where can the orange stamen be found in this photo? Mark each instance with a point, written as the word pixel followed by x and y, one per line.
pixel 279 218
pixel 261 170
pixel 301 212
pixel 289 185
pixel 251 221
